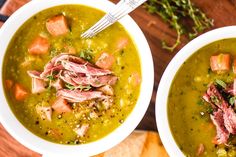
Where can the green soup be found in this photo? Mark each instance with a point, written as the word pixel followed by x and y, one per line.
pixel 189 115
pixel 18 61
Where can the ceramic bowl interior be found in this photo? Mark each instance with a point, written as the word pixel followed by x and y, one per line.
pixel 168 76
pixel 19 132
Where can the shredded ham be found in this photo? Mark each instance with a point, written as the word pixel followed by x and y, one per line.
pixel 65 71
pixel 224 117
pixel 79 96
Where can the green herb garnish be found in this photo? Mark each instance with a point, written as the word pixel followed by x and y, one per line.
pixel 174 12
pixel 51 77
pixel 86 54
pixel 232 100
pixel 80 87
pixel 200 102
pixel 221 83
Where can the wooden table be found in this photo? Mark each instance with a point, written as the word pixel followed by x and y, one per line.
pixel 222 11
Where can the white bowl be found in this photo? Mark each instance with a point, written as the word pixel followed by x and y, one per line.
pixel 24 136
pixel 168 76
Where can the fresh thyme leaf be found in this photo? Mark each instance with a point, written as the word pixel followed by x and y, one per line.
pixel 221 83
pixel 80 87
pixel 200 102
pixel 173 12
pixel 51 77
pixel 232 100
pixel 209 110
pixel 70 87
pixel 86 54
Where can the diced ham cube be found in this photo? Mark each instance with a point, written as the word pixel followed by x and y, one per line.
pixel 107 89
pixel 45 112
pixel 39 46
pixel 38 85
pixel 20 92
pixel 81 130
pixel 61 106
pixel 57 25
pixel 105 61
pixel 220 63
pixel 9 84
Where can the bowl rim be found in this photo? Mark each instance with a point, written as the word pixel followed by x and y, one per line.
pixel 161 107
pixel 25 137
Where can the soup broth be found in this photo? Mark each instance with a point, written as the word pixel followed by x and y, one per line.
pixel 89 116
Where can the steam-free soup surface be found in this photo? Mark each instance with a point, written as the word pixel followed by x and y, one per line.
pixel 98 119
pixel 189 114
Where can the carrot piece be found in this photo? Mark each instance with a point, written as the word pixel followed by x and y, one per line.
pixel 61 106
pixel 57 25
pixel 9 84
pixel 105 61
pixel 220 63
pixel 38 46
pixel 20 92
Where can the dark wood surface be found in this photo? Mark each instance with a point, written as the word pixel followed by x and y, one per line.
pixel 222 11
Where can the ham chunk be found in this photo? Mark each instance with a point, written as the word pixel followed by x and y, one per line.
pixel 57 25
pixel 220 63
pixel 107 89
pixel 39 46
pixel 81 130
pixel 61 106
pixel 20 92
pixel 45 112
pixel 105 61
pixel 38 85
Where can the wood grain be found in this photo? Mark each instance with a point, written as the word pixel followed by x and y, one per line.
pixel 222 11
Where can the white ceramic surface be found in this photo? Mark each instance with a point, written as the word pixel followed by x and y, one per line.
pixel 168 76
pixel 24 136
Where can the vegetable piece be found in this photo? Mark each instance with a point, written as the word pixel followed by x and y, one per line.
pixel 220 63
pixel 134 79
pixel 57 25
pixel 20 92
pixel 107 89
pixel 39 46
pixel 200 149
pixel 105 61
pixel 234 87
pixel 81 130
pixel 9 84
pixel 234 66
pixel 44 112
pixel 122 43
pixel 61 106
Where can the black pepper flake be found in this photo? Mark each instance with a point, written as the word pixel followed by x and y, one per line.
pixel 37 122
pixel 46 133
pixel 123 67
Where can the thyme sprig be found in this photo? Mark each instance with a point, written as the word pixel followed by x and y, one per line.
pixel 173 12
